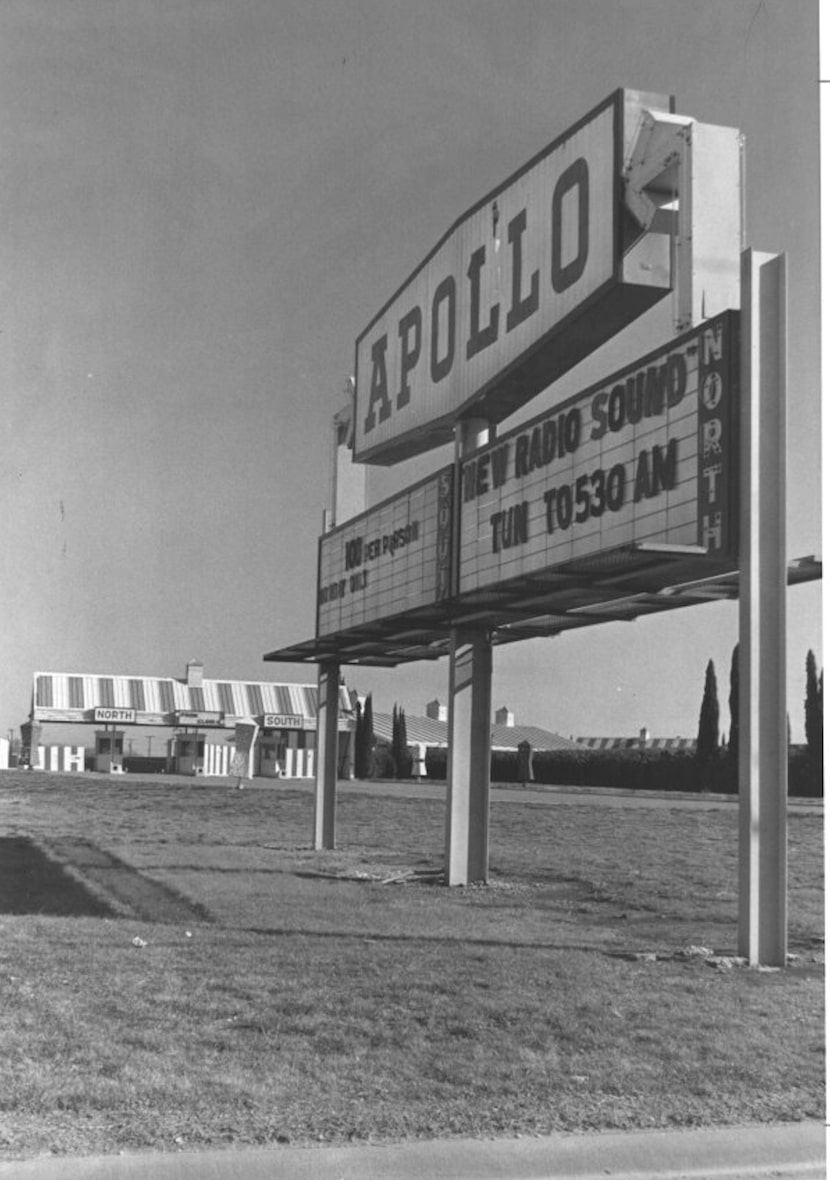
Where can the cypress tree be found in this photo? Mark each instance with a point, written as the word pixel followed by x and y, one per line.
pixel 403 759
pixel 369 735
pixel 396 726
pixel 708 729
pixel 361 768
pixel 821 696
pixel 400 753
pixel 734 705
pixel 812 713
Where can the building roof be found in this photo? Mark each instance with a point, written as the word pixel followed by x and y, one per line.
pixel 425 731
pixel 507 737
pixel 429 732
pixel 74 697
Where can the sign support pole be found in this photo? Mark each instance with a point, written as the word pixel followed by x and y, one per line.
pixel 325 799
pixel 468 778
pixel 762 819
pixel 468 770
pixel 345 493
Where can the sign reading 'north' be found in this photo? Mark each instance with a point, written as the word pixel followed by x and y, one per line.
pixel 392 559
pixel 103 713
pixel 647 456
pixel 522 287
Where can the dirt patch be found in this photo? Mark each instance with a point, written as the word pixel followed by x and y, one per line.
pixel 32 883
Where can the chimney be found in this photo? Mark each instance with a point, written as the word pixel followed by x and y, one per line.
pixel 194 673
pixel 644 736
pixel 436 711
pixel 505 717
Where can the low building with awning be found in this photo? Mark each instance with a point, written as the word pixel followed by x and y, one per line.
pixel 194 716
pixel 432 732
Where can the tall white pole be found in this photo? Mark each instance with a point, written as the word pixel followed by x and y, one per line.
pixel 468 769
pixel 325 796
pixel 762 712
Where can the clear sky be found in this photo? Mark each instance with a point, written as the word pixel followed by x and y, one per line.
pixel 204 204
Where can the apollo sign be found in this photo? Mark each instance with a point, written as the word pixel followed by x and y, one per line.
pixel 522 287
pixel 648 456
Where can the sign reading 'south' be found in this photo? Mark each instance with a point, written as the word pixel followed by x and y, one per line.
pixel 647 456
pixel 389 560
pixel 522 287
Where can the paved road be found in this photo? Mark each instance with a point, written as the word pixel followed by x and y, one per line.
pixel 499 793
pixel 549 796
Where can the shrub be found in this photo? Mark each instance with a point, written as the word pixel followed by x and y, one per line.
pixel 640 770
pixel 435 763
pixel 382 762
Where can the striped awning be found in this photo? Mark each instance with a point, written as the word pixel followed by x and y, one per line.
pixel 149 700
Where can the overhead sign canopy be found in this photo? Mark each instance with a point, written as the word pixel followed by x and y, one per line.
pixel 618 586
pixel 525 285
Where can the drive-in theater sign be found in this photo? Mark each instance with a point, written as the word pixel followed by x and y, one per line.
pixel 638 472
pixel 646 491
pixel 522 287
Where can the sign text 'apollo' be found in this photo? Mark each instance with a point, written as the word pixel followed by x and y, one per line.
pixel 523 287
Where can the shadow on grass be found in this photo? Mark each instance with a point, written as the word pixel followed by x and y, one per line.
pixel 74 878
pixel 427 939
pixel 32 883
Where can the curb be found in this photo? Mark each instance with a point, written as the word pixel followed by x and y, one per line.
pixel 794 1150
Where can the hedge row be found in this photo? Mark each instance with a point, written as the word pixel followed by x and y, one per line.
pixel 643 770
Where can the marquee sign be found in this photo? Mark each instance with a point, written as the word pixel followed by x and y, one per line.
pixel 647 456
pixel 392 559
pixel 522 287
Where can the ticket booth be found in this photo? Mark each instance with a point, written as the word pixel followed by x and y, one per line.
pixel 109 751
pixel 272 754
pixel 286 753
pixel 189 753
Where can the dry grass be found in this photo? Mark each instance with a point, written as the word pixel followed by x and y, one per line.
pixel 308 1008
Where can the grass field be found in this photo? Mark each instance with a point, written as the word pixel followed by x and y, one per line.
pixel 277 994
